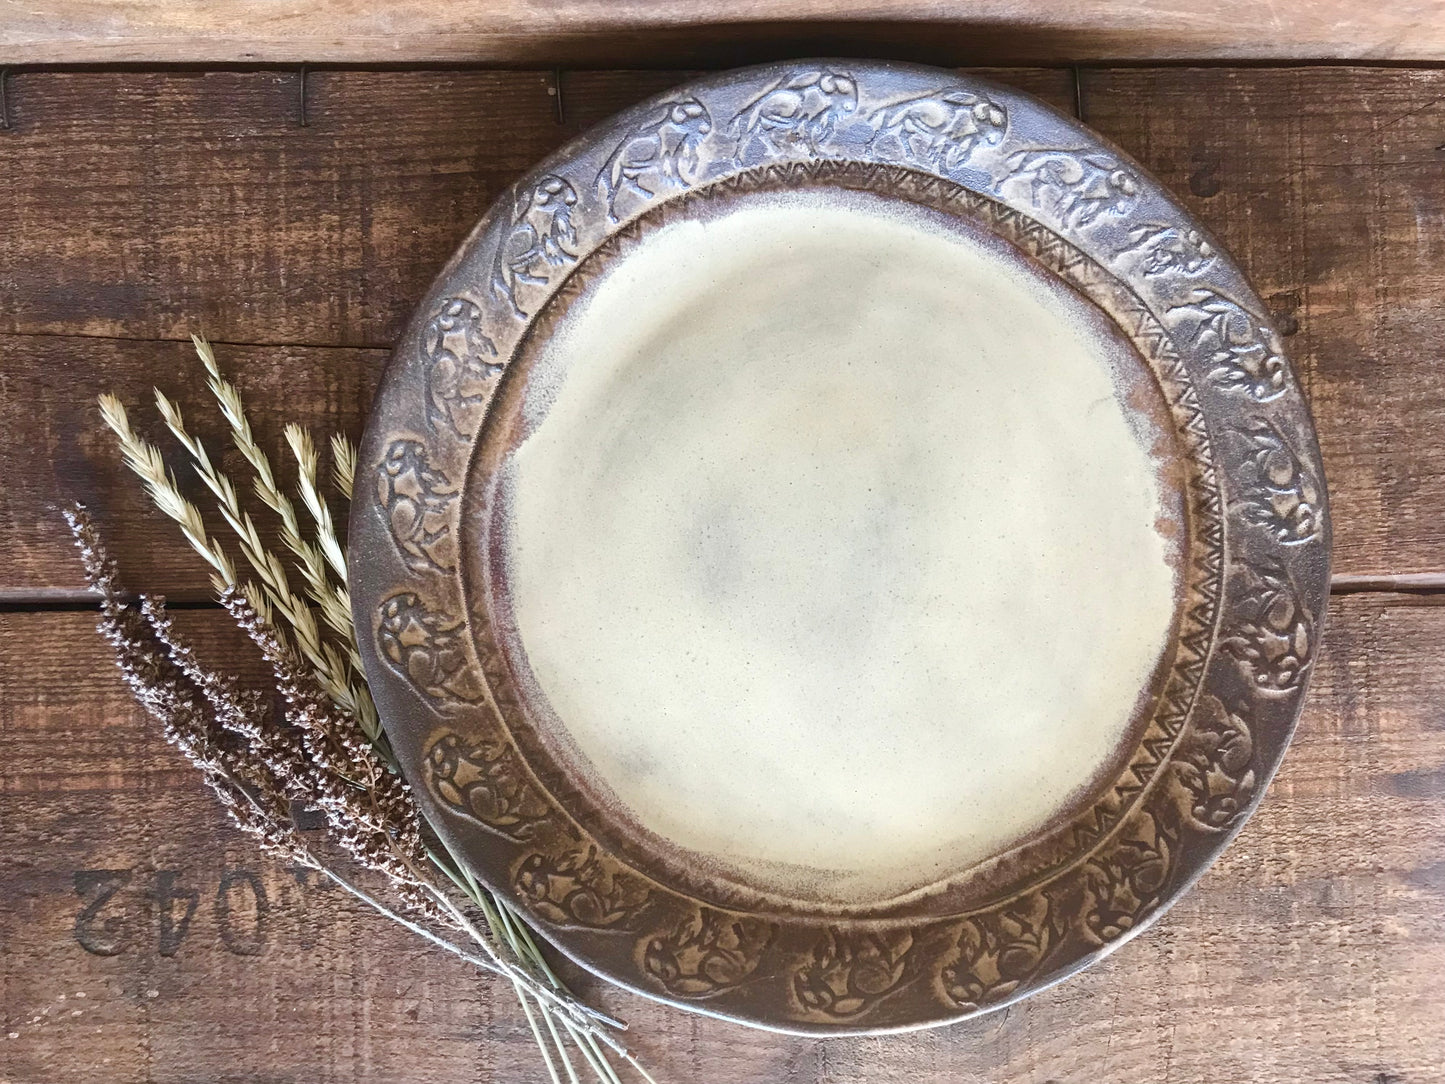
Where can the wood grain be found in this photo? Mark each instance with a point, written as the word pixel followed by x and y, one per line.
pixel 144 205
pixel 149 205
pixel 685 31
pixel 1311 952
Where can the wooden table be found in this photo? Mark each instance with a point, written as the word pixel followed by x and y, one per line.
pixel 296 222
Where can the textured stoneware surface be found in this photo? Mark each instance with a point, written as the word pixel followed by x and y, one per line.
pixel 448 599
pixel 784 488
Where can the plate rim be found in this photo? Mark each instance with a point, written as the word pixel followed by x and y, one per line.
pixel 1045 168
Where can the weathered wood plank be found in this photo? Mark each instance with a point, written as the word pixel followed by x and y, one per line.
pixel 149 205
pixel 1328 185
pixel 612 32
pixel 1312 951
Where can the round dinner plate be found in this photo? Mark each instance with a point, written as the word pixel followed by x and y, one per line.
pixel 839 547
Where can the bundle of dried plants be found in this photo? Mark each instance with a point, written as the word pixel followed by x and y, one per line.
pixel 326 750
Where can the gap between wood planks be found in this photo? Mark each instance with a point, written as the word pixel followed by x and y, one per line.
pixel 542 68
pixel 238 343
pixel 1422 588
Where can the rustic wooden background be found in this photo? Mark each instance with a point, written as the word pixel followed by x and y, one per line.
pixel 655 33
pixel 143 939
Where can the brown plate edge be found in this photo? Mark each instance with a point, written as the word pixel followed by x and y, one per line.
pixel 1305 587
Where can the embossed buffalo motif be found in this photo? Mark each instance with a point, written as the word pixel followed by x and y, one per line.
pixel 998 952
pixel 1126 881
pixel 1272 636
pixel 938 131
pixel 539 240
pixel 428 649
pixel 849 973
pixel 1244 352
pixel 417 499
pixel 1215 767
pixel 1280 494
pixel 1079 187
pixel 486 781
pixel 579 888
pixel 796 115
pixel 706 953
pixel 458 362
pixel 1170 248
pixel 660 150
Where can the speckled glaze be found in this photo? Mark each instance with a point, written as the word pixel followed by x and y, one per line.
pixel 784 489
pixel 449 673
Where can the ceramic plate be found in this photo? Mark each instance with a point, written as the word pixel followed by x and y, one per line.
pixel 839 547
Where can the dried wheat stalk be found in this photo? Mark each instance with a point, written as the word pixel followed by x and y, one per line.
pixel 343 464
pixel 304 450
pixel 348 688
pixel 327 751
pixel 259 767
